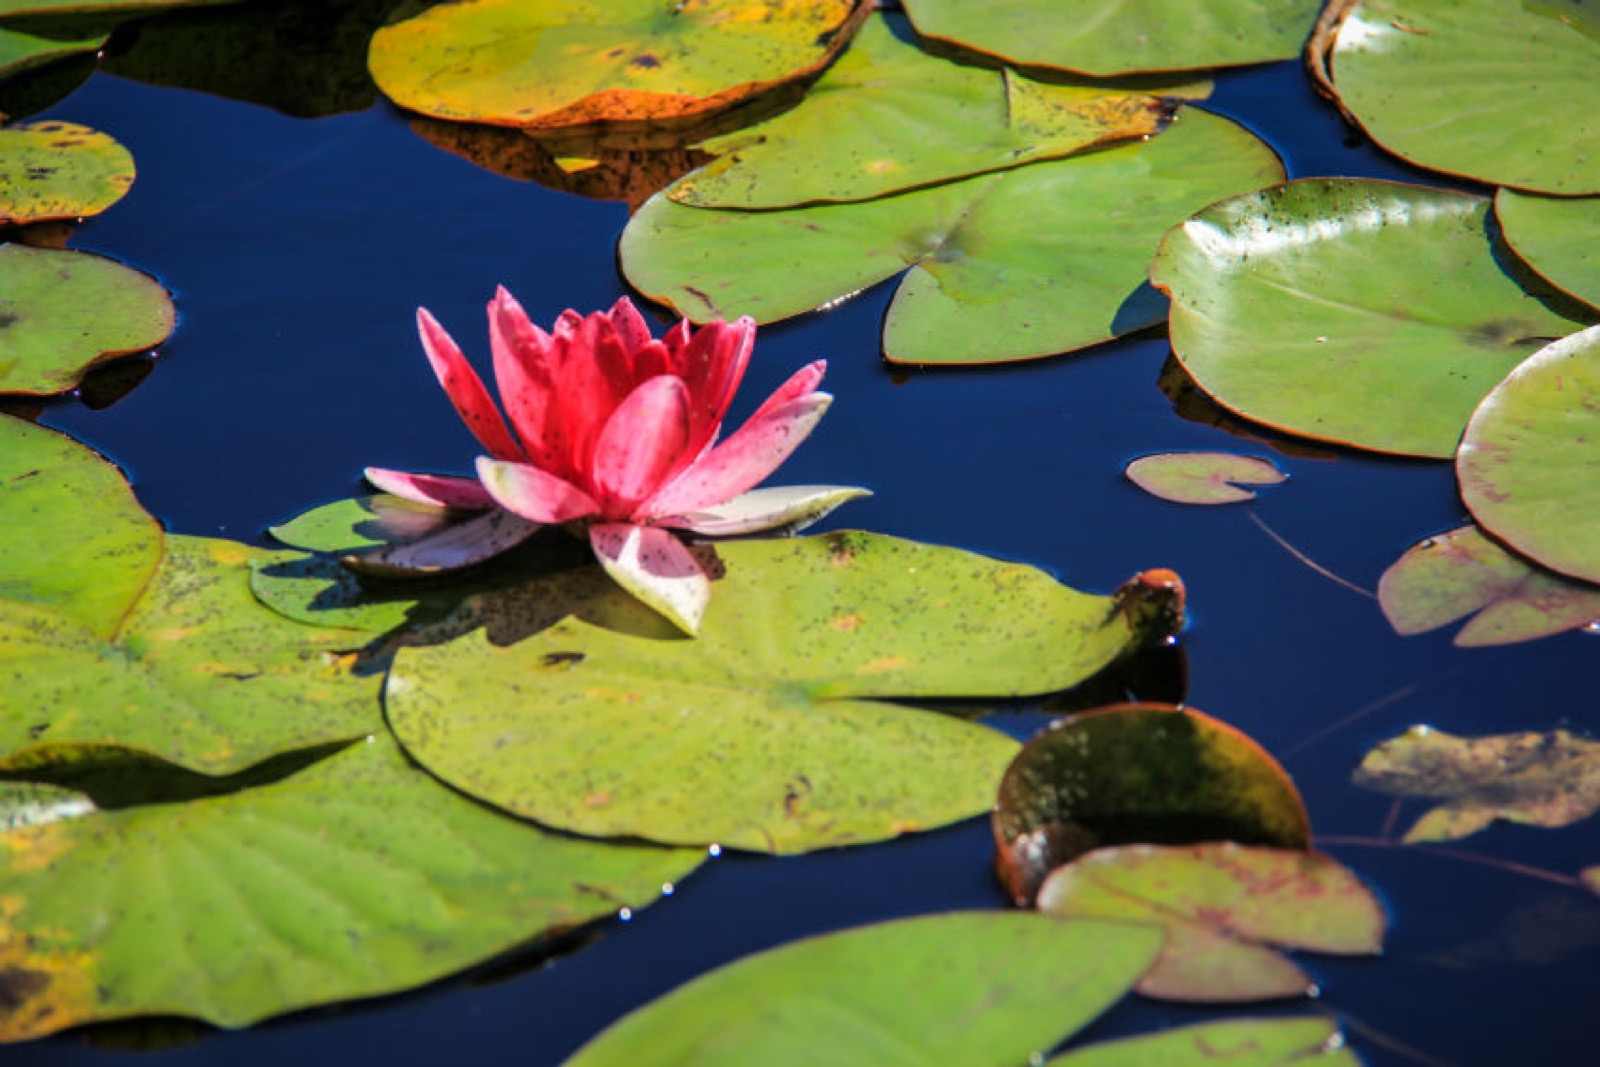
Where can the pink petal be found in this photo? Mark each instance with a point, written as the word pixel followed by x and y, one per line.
pixel 456 547
pixel 440 490
pixel 656 568
pixel 790 507
pixel 641 445
pixel 465 389
pixel 712 366
pixel 591 375
pixel 677 338
pixel 743 460
pixel 803 381
pixel 630 327
pixel 522 371
pixel 534 494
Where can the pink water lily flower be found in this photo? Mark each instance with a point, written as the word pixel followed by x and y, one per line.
pixel 614 432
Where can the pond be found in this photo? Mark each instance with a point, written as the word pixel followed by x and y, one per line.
pixel 297 250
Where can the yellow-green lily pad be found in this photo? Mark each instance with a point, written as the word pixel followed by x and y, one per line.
pixel 24 51
pixel 1202 477
pixel 58 170
pixel 1309 1041
pixel 1558 236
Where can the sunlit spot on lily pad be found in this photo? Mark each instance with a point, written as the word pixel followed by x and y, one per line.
pixel 1538 779
pixel 1202 477
pixel 1558 236
pixel 1462 573
pixel 59 170
pixel 1309 1041
pixel 1137 773
pixel 554 63
pixel 1226 910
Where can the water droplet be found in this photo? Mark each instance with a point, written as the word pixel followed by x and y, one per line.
pixel 625 914
pixel 667 889
pixel 714 851
pixel 1335 1041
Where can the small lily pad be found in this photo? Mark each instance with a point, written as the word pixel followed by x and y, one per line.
pixel 1225 909
pixel 1556 236
pixel 63 311
pixel 58 170
pixel 1311 1041
pixel 1461 573
pixel 1202 477
pixel 1539 779
pixel 1137 773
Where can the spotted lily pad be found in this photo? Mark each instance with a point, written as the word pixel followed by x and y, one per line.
pixel 1540 779
pixel 1202 477
pixel 1362 312
pixel 1225 909
pixel 1122 36
pixel 1018 264
pixel 773 729
pixel 358 876
pixel 62 312
pixel 1137 773
pixel 1310 1041
pixel 1450 85
pixel 1460 573
pixel 1528 459
pixel 57 170
pixel 1556 236
pixel 23 51
pixel 554 63
pixel 978 989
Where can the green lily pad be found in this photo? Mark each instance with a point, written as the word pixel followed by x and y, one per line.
pixel 888 116
pixel 1018 264
pixel 1362 312
pixel 1528 459
pixel 1309 1041
pixel 1137 773
pixel 356 877
pixel 1202 477
pixel 363 522
pixel 57 170
pixel 969 989
pixel 24 51
pixel 1223 907
pixel 1122 36
pixel 77 541
pixel 62 312
pixel 1557 237
pixel 555 63
pixel 1451 84
pixel 1462 573
pixel 1538 779
pixel 199 674
pixel 579 708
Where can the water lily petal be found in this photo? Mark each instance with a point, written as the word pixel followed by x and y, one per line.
pixel 642 445
pixel 629 325
pixel 440 490
pixel 593 376
pixel 655 568
pixel 456 547
pixel 801 383
pixel 789 507
pixel 536 495
pixel 712 365
pixel 465 389
pixel 522 371
pixel 742 461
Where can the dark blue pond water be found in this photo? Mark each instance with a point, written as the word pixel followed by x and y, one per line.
pixel 298 249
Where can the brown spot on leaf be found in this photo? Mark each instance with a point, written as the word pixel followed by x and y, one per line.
pixel 644 61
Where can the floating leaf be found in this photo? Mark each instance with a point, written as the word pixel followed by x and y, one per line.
pixel 62 312
pixel 1023 263
pixel 888 116
pixel 1137 773
pixel 1363 312
pixel 355 877
pixel 1121 36
pixel 974 989
pixel 56 170
pixel 76 539
pixel 1440 83
pixel 1222 905
pixel 1461 573
pixel 1528 459
pixel 1309 1041
pixel 1540 779
pixel 23 51
pixel 1556 236
pixel 199 673
pixel 11 9
pixel 581 709
pixel 571 62
pixel 1202 477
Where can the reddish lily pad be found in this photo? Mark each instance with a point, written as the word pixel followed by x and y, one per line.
pixel 58 170
pixel 1539 779
pixel 1222 905
pixel 1311 1041
pixel 555 63
pixel 1528 458
pixel 1461 573
pixel 1556 236
pixel 62 312
pixel 1202 477
pixel 1137 773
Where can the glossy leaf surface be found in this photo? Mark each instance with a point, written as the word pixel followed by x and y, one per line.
pixel 1528 459
pixel 1460 573
pixel 1557 236
pixel 1023 263
pixel 1202 477
pixel 1225 909
pixel 1296 1042
pixel 1137 773
pixel 968 989
pixel 1540 779
pixel 1349 310
pixel 59 170
pixel 357 876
